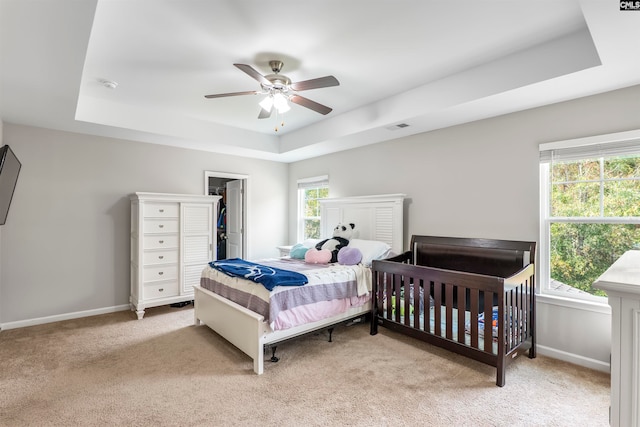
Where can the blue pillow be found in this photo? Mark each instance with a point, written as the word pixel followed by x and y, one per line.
pixel 298 251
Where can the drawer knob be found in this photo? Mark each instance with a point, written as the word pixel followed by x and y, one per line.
pixel 161 241
pixel 161 257
pixel 161 290
pixel 161 225
pixel 161 210
pixel 160 273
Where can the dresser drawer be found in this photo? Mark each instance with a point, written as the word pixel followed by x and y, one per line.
pixel 161 242
pixel 163 289
pixel 161 210
pixel 154 225
pixel 160 272
pixel 169 256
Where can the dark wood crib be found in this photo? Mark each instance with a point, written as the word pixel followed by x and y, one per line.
pixel 442 289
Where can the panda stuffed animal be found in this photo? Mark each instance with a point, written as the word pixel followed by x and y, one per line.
pixel 341 235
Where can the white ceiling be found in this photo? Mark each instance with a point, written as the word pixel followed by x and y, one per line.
pixel 425 63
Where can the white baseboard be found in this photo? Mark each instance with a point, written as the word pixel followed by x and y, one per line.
pixel 576 359
pixel 60 317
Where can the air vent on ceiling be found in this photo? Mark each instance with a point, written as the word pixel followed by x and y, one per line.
pixel 397 126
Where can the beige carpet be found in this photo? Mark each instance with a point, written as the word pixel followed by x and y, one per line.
pixel 163 371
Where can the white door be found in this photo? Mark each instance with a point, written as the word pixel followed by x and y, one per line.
pixel 196 240
pixel 234 218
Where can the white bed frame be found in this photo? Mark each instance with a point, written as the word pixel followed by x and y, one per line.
pixel 376 218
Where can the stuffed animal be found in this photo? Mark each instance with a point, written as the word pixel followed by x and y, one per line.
pixel 341 235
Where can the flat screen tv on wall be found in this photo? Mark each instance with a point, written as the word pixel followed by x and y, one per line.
pixel 9 170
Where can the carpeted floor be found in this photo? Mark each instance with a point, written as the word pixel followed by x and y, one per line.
pixel 163 371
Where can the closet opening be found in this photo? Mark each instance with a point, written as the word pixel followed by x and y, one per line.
pixel 230 222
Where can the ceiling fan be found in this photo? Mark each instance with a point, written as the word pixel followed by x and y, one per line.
pixel 280 90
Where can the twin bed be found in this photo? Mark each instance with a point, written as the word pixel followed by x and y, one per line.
pixel 439 291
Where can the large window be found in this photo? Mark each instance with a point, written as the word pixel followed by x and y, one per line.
pixel 310 191
pixel 590 211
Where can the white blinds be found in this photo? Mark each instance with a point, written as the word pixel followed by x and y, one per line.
pixel 613 145
pixel 314 182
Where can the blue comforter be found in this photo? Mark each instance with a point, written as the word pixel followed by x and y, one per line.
pixel 269 277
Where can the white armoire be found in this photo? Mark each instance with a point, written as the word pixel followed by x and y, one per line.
pixel 172 240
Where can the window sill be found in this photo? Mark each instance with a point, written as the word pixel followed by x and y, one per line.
pixel 594 306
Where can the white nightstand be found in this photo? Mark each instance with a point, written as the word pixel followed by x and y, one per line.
pixel 284 250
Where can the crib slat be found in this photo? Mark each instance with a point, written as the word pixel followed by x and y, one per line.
pixel 473 318
pixel 488 318
pixel 515 317
pixel 462 303
pixel 397 286
pixel 437 296
pixel 389 295
pixel 406 300
pixel 417 302
pixel 449 311
pixel 509 316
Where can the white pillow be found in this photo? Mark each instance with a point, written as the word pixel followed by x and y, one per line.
pixel 310 243
pixel 371 249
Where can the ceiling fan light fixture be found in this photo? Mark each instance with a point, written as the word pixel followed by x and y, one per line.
pixel 281 103
pixel 267 103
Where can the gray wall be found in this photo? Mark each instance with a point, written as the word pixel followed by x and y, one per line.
pixel 481 180
pixel 65 247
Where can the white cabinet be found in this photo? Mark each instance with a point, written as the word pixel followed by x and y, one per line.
pixel 621 282
pixel 172 240
pixel 284 250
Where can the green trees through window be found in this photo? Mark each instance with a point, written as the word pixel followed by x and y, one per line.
pixel 594 217
pixel 311 211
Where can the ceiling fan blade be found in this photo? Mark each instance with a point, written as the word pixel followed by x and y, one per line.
pixel 312 105
pixel 315 83
pixel 222 95
pixel 254 74
pixel 264 114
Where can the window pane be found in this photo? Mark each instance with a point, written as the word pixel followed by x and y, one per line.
pixel 312 228
pixel 580 253
pixel 578 199
pixel 622 198
pixel 576 171
pixel 310 210
pixel 622 167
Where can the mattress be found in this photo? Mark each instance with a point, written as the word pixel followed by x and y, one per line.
pixel 331 289
pixel 431 316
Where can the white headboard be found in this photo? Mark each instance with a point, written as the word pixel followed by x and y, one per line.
pixel 378 217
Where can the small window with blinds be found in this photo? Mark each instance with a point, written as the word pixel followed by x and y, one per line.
pixel 310 191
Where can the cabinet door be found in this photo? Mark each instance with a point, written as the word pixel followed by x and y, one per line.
pixel 196 242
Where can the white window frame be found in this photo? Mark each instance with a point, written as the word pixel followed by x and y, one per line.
pixel 622 142
pixel 321 181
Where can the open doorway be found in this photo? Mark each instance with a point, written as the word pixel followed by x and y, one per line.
pixel 231 217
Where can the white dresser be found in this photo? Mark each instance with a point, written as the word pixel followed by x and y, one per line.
pixel 621 282
pixel 172 240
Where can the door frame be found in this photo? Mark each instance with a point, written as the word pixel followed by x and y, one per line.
pixel 245 200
